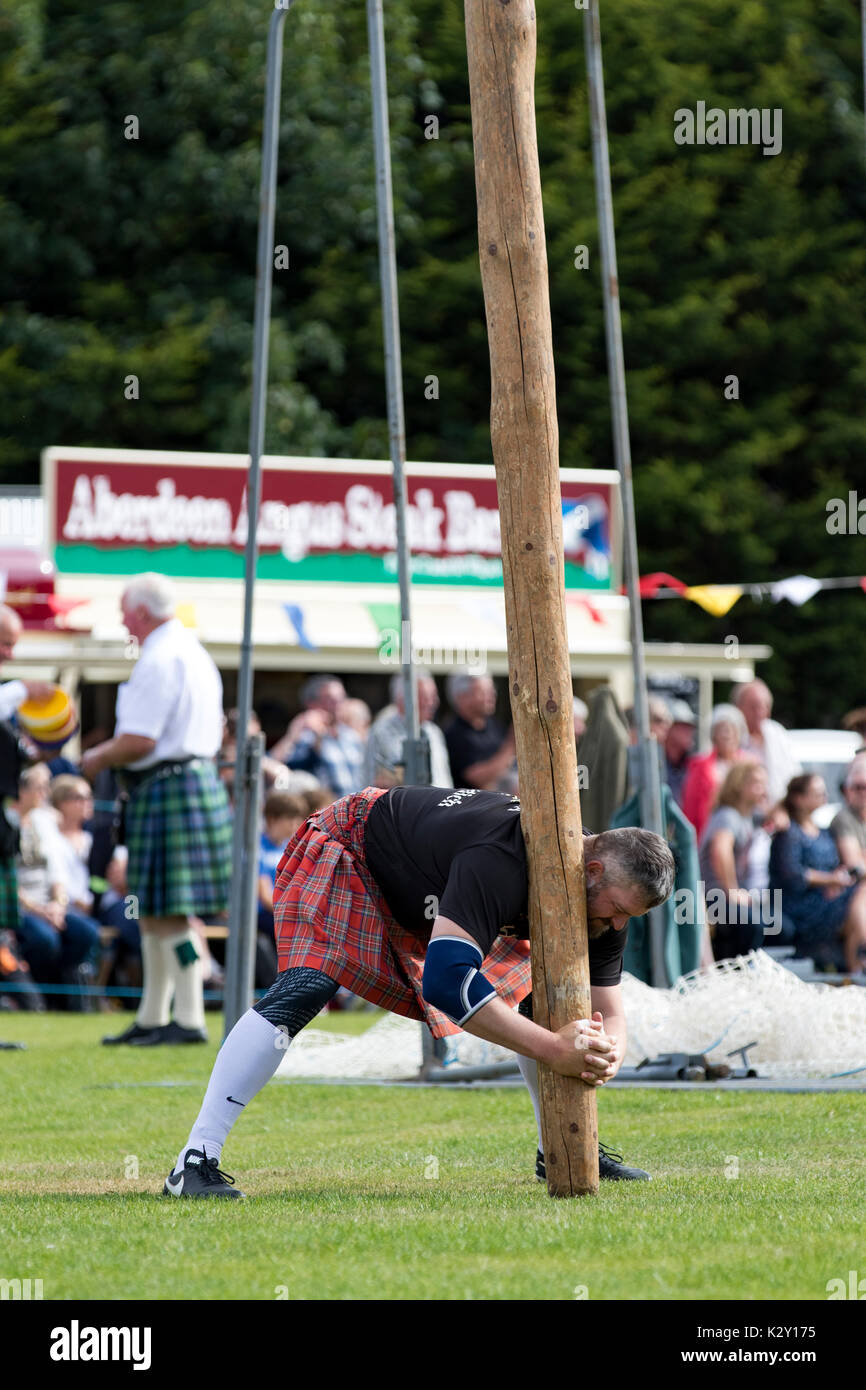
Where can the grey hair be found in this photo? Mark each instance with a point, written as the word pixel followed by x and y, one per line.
pixel 395 684
pixel 458 684
pixel 730 714
pixel 857 761
pixel 155 592
pixel 740 690
pixel 659 708
pixel 639 858
pixel 310 689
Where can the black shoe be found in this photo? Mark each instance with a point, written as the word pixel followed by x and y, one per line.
pixel 171 1033
pixel 610 1165
pixel 133 1034
pixel 200 1177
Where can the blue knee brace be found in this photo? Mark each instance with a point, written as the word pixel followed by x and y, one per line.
pixel 452 981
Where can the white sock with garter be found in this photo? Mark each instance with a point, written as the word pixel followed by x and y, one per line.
pixel 183 960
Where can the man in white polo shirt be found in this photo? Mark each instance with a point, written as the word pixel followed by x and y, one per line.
pixel 178 819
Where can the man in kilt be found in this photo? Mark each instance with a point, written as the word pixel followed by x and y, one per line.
pixel 178 819
pixel 402 896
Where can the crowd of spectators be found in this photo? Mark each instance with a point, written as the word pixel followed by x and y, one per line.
pixel 751 808
pixel 75 922
pixel 770 873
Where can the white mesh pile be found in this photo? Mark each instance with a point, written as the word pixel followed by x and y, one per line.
pixel 802 1030
pixel 389 1050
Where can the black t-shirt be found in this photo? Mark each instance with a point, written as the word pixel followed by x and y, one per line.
pixel 467 746
pixel 460 854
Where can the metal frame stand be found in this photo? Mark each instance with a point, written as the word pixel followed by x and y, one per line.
pixel 415 753
pixel 650 789
pixel 241 941
pixel 240 949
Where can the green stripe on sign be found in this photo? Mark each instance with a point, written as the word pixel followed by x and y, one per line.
pixel 190 562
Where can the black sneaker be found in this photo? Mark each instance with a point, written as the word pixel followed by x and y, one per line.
pixel 610 1165
pixel 171 1033
pixel 200 1177
pixel 132 1035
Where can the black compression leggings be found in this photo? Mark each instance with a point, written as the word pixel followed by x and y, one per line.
pixel 295 997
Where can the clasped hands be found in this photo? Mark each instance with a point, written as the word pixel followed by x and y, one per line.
pixel 588 1051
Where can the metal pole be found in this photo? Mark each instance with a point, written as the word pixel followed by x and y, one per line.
pixel 650 791
pixel 492 1071
pixel 239 984
pixel 242 942
pixel 863 51
pixel 393 371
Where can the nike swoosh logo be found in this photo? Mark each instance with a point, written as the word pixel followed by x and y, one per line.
pixel 175 1183
pixel 235 1102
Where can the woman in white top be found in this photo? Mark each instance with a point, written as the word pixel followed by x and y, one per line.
pixel 72 800
pixel 55 937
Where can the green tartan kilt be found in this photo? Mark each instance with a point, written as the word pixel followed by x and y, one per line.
pixel 179 837
pixel 8 895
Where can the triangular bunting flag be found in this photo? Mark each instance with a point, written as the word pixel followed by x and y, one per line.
pixel 797 590
pixel 717 599
pixel 295 615
pixel 649 584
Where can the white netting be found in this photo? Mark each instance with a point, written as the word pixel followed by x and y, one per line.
pixel 389 1050
pixel 802 1030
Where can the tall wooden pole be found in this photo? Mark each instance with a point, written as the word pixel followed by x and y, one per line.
pixel 500 38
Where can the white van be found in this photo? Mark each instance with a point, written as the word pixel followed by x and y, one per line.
pixel 829 752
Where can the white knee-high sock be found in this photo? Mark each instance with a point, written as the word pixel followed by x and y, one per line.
pixel 156 983
pixel 183 961
pixel 529 1071
pixel 244 1064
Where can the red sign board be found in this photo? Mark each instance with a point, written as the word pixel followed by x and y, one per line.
pixel 320 519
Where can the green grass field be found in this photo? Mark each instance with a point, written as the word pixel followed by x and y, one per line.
pixel 345 1202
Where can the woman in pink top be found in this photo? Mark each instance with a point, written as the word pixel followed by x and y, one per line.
pixel 707 771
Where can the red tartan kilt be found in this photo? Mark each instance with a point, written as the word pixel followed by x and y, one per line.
pixel 329 913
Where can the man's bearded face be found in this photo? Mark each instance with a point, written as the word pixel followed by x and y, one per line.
pixel 610 904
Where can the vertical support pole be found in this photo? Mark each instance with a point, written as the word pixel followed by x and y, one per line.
pixel 501 45
pixel 863 52
pixel 650 788
pixel 242 940
pixel 393 371
pixel 239 982
pixel 705 709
